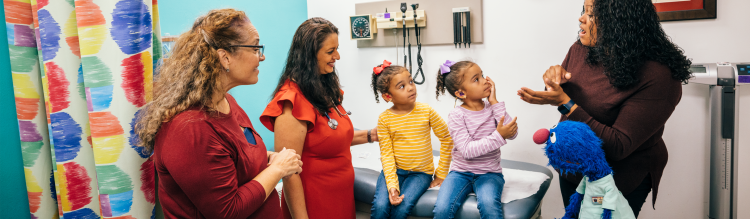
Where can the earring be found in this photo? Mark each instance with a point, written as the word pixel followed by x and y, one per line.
pixel 227 70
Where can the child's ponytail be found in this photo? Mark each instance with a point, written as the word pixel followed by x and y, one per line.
pixel 374 83
pixel 450 77
pixel 440 88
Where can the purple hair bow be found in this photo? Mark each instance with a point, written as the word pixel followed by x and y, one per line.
pixel 445 68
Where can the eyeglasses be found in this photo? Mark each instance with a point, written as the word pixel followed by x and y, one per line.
pixel 260 47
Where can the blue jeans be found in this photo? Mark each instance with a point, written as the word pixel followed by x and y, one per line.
pixel 456 188
pixel 412 185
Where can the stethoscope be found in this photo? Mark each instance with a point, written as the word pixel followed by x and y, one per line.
pixel 332 123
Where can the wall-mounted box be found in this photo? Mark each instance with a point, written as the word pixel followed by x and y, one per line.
pixel 440 31
pixel 394 19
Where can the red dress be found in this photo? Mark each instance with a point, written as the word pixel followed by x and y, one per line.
pixel 206 167
pixel 328 175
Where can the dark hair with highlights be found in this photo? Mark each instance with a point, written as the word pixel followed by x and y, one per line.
pixel 629 34
pixel 451 81
pixel 322 90
pixel 381 82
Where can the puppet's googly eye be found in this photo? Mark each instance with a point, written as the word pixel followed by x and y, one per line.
pixel 552 138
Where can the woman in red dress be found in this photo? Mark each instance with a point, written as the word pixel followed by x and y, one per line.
pixel 306 115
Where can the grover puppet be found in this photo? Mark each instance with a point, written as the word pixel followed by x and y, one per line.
pixel 573 148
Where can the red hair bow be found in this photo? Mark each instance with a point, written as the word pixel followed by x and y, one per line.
pixel 377 70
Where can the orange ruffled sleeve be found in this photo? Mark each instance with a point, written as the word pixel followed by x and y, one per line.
pixel 302 109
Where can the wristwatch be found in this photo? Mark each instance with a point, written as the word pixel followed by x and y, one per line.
pixel 369 133
pixel 565 108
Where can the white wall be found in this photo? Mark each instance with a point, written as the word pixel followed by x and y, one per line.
pixel 522 39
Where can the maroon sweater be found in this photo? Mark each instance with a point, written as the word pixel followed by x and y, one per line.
pixel 206 167
pixel 629 121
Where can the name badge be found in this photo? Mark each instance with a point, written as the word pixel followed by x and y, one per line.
pixel 597 200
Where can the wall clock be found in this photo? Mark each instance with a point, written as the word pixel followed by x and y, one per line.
pixel 361 27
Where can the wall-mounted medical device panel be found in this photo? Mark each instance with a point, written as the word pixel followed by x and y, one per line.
pixel 439 31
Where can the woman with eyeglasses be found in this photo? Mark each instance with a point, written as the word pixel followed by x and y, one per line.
pixel 210 160
pixel 306 115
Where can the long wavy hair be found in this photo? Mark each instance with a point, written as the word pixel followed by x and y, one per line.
pixel 629 34
pixel 323 91
pixel 192 75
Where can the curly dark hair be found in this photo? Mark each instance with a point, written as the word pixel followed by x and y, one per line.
pixel 322 90
pixel 451 81
pixel 381 82
pixel 629 34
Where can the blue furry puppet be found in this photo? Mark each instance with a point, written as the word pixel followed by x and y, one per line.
pixel 573 148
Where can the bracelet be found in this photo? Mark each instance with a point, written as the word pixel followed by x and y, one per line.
pixel 369 138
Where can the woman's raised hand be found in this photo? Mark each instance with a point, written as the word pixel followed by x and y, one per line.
pixel 556 74
pixel 287 161
pixel 553 95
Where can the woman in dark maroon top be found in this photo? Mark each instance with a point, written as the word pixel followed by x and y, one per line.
pixel 623 78
pixel 210 160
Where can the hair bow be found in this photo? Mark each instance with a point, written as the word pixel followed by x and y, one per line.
pixel 377 70
pixel 445 68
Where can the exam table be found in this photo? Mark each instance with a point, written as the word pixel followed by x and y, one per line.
pixel 526 208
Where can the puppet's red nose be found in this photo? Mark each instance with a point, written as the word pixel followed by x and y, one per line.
pixel 540 136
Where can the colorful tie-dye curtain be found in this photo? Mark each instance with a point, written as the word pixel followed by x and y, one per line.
pixel 81 71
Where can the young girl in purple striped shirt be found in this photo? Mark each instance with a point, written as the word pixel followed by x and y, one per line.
pixel 479 127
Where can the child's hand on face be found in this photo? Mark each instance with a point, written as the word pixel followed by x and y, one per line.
pixel 507 130
pixel 394 198
pixel 492 98
pixel 436 182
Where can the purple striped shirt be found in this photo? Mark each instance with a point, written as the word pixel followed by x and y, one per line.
pixel 476 140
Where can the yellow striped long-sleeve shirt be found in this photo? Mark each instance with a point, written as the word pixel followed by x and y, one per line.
pixel 405 143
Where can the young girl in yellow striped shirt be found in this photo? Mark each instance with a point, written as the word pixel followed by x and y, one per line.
pixel 405 144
